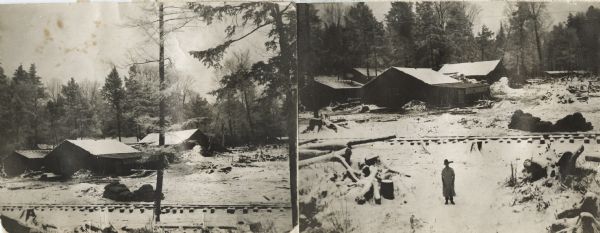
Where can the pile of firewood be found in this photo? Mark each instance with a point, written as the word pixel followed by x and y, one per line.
pixel 371 177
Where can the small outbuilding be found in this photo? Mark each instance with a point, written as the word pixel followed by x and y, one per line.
pixel 362 75
pixel 21 161
pixel 186 139
pixel 98 156
pixel 330 89
pixel 566 73
pixel 397 86
pixel 488 71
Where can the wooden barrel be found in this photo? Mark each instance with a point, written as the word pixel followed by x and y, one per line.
pixel 387 189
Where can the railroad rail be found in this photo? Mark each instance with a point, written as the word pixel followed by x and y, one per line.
pixel 585 138
pixel 142 207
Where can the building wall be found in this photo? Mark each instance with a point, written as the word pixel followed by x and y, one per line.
pixel 324 95
pixel 394 89
pixel 15 164
pixel 447 97
pixel 66 159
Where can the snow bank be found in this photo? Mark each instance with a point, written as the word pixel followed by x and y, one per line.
pixel 501 89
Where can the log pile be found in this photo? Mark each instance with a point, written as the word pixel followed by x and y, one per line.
pixel 119 192
pixel 371 178
pixel 322 123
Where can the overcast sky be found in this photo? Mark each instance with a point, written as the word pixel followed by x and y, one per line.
pixel 85 40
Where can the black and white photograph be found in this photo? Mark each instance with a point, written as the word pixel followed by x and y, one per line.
pixel 148 116
pixel 463 116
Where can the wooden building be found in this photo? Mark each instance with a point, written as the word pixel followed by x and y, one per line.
pixel 184 139
pixel 397 86
pixel 362 75
pixel 485 71
pixel 329 89
pixel 98 156
pixel 21 161
pixel 566 73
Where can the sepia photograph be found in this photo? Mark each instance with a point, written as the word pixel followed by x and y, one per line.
pixel 444 116
pixel 148 116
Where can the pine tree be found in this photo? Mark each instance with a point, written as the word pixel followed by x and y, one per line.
pixel 114 94
pixel 400 22
pixel 485 42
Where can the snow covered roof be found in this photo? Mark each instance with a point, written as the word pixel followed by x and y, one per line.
pixel 126 140
pixel 33 154
pixel 106 148
pixel 336 83
pixel 462 85
pixel 171 138
pixel 372 71
pixel 480 68
pixel 426 75
pixel 566 72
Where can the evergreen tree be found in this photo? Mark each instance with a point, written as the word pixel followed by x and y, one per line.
pixel 400 22
pixel 78 115
pixel 485 42
pixel 114 94
pixel 366 33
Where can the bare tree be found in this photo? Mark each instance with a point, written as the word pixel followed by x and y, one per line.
pixel 157 22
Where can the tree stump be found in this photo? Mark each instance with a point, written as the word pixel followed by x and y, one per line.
pixel 387 189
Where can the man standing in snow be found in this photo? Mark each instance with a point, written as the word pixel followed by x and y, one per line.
pixel 448 182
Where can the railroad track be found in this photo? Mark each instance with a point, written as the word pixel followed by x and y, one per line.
pixel 589 138
pixel 143 207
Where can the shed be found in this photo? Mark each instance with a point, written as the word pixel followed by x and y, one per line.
pixel 566 73
pixel 397 86
pixel 362 75
pixel 184 138
pixel 98 156
pixel 488 71
pixel 20 161
pixel 330 89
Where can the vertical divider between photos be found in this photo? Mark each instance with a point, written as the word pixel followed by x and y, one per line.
pixel 303 47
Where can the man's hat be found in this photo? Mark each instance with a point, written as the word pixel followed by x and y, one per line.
pixel 446 162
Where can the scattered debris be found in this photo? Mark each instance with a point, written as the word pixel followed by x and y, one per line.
pixel 119 192
pixel 415 105
pixel 527 122
pixel 318 123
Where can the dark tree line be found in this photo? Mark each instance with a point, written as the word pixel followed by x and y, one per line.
pixel 424 34
pixel 575 43
pixel 33 113
pixel 430 34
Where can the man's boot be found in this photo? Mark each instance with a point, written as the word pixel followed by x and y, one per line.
pixel 452 201
pixel 446 201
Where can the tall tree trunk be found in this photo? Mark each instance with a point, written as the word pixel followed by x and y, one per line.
pixel 538 44
pixel 364 37
pixel 35 120
pixel 482 53
pixel 161 74
pixel 248 114
pixel 291 105
pixel 119 121
pixel 161 120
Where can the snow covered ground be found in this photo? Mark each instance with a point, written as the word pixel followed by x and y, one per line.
pixel 186 182
pixel 484 202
